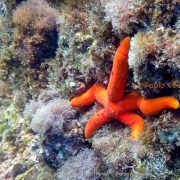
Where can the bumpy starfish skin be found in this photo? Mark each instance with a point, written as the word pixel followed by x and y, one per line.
pixel 133 120
pixel 119 72
pixel 156 105
pixel 95 122
pixel 85 99
pixel 116 106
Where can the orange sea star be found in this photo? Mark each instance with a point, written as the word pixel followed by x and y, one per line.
pixel 116 106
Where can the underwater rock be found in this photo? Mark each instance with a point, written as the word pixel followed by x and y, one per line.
pixel 86 43
pixel 132 160
pixel 170 135
pixel 82 42
pixel 55 122
pixel 37 171
pixel 156 166
pixel 117 151
pixel 18 169
pixel 174 161
pixel 165 13
pixel 3 9
pixel 58 148
pixel 77 88
pixel 53 50
pixel 130 17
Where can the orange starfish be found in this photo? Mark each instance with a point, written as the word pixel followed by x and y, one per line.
pixel 116 106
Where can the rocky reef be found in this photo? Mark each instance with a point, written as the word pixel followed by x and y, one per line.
pixel 51 51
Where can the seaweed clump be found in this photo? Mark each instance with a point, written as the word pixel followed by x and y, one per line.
pixel 124 158
pixel 84 166
pixel 156 55
pixel 126 16
pixel 86 43
pixel 61 135
pixel 131 17
pixel 29 37
pixel 37 33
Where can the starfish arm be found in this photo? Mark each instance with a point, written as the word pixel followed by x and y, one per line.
pixel 85 99
pixel 95 122
pixel 135 121
pixel 130 102
pixel 96 92
pixel 119 72
pixel 156 105
pixel 100 94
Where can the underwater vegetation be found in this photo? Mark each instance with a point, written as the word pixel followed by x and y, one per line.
pixel 56 121
pixel 37 35
pixel 132 16
pixel 157 54
pixel 57 55
pixel 88 169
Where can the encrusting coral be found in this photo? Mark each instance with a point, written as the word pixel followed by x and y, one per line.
pixel 115 104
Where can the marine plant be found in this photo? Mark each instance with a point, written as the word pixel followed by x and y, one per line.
pixel 127 16
pixel 88 169
pixel 156 55
pixel 37 25
pixel 54 120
